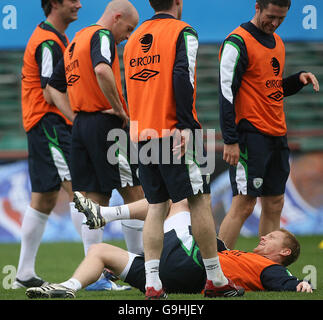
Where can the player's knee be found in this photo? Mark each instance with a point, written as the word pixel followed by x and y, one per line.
pixel 273 205
pixel 243 209
pixel 97 249
pixel 44 202
pixel 131 194
pixel 246 211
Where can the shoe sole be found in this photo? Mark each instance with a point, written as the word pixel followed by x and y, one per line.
pixel 80 208
pixel 90 217
pixel 162 297
pixel 233 293
pixel 34 294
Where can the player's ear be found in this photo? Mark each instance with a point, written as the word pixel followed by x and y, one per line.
pixel 117 17
pixel 258 8
pixel 285 252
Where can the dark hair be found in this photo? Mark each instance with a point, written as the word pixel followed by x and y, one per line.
pixel 47 6
pixel 263 4
pixel 161 5
pixel 291 243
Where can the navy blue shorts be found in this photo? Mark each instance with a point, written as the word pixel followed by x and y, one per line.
pixel 263 167
pixel 91 169
pixel 164 178
pixel 49 143
pixel 180 271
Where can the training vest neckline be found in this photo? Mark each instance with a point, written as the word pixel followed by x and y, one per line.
pixel 266 40
pixel 162 16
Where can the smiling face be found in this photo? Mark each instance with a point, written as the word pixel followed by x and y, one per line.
pixel 68 9
pixel 272 246
pixel 270 18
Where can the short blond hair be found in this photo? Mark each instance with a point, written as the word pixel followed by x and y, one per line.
pixel 291 243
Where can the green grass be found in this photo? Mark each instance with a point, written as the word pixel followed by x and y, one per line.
pixel 56 262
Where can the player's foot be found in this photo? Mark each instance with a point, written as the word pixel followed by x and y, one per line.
pixel 229 290
pixel 32 282
pixel 50 291
pixel 152 294
pixel 106 285
pixel 91 210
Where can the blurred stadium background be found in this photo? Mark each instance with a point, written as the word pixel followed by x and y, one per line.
pixel 303 35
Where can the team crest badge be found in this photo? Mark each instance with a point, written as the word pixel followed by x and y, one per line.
pixel 257 182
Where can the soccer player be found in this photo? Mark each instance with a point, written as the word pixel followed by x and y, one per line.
pixel 260 270
pixel 160 75
pixel 48 132
pixel 90 74
pixel 252 91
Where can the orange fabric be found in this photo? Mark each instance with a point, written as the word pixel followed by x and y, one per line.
pixel 83 88
pixel 148 74
pixel 260 97
pixel 33 103
pixel 244 268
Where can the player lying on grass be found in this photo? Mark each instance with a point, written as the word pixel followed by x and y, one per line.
pixel 181 265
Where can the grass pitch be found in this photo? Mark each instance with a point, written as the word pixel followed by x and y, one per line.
pixel 56 262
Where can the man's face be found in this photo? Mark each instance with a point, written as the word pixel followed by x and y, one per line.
pixel 270 18
pixel 69 10
pixel 124 26
pixel 272 246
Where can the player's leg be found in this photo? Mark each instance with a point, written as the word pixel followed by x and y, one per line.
pixel 131 194
pixel 132 228
pixel 241 208
pixel 91 237
pixel 203 229
pixel 247 181
pixel 135 210
pixel 181 206
pixel 132 231
pixel 277 172
pixel 47 169
pixel 158 199
pixel 83 172
pixel 76 216
pixel 272 207
pixel 99 256
pixel 193 183
pixel 153 236
pixel 32 230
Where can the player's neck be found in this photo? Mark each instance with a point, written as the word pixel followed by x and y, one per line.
pixel 171 12
pixel 57 23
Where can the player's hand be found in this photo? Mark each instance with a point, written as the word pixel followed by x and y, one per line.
pixel 181 139
pixel 231 153
pixel 304 286
pixel 309 78
pixel 122 114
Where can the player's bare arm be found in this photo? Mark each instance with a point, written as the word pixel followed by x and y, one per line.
pixel 108 86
